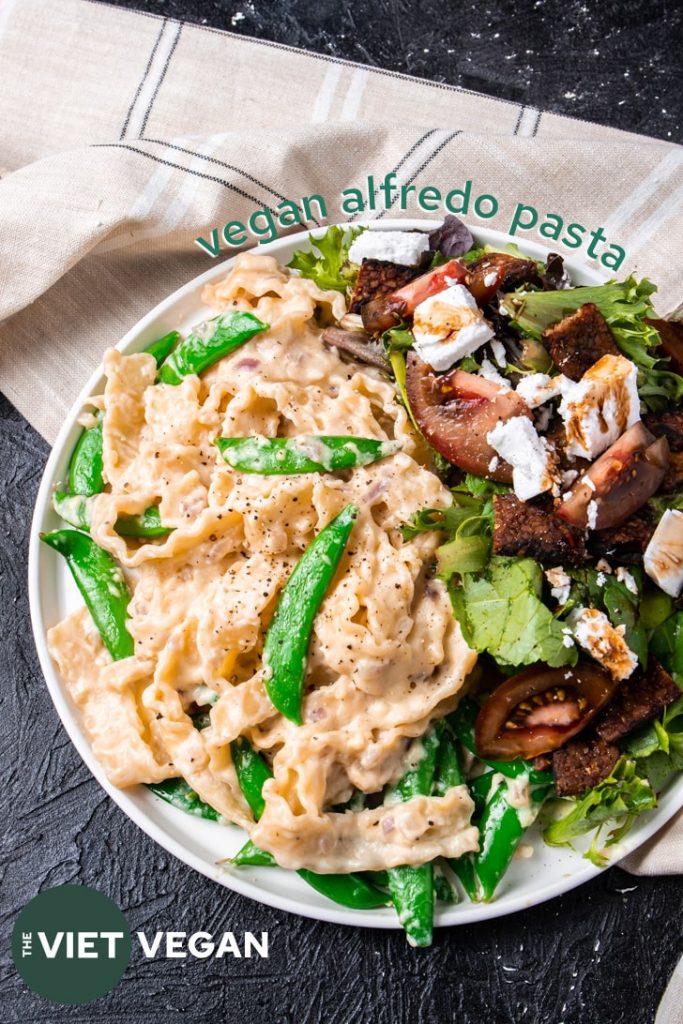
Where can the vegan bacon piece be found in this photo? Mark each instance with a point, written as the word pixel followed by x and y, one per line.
pixel 625 543
pixel 377 278
pixel 667 424
pixel 528 530
pixel 583 763
pixel 637 701
pixel 578 341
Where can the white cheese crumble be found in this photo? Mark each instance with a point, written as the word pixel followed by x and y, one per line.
pixel 489 371
pixel 449 326
pixel 567 641
pixel 592 515
pixel 538 388
pixel 598 408
pixel 404 247
pixel 499 353
pixel 628 579
pixel 663 557
pixel 601 579
pixel 604 642
pixel 490 279
pixel 532 459
pixel 493 464
pixel 560 583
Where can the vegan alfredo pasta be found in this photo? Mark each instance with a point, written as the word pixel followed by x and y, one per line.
pixel 386 656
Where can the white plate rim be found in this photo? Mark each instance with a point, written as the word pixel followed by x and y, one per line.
pixel 141 334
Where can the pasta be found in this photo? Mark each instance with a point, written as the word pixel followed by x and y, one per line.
pixel 386 656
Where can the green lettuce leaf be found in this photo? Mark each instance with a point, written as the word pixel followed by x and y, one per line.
pixel 501 612
pixel 625 305
pixel 619 799
pixel 327 261
pixel 666 644
pixel 658 747
pixel 468 524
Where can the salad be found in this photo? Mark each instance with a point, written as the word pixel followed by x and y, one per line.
pixel 383 564
pixel 554 414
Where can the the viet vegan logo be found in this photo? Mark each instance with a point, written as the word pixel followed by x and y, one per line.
pixel 71 944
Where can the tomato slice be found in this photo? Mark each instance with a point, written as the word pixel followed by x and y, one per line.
pixel 539 709
pixel 380 314
pixel 455 412
pixel 620 481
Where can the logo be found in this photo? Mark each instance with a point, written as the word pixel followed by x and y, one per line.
pixel 71 944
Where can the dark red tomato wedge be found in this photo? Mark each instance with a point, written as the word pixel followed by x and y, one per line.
pixel 539 709
pixel 498 271
pixel 622 480
pixel 456 411
pixel 388 310
pixel 671 334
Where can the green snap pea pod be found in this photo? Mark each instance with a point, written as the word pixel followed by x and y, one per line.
pixel 251 856
pixel 462 722
pixel 350 890
pixel 286 644
pixel 306 454
pixel 177 793
pixel 412 887
pixel 75 510
pixel 449 773
pixel 162 347
pixel 208 343
pixel 480 790
pixel 86 466
pixel 144 524
pixel 101 584
pixel 501 828
pixel 443 890
pixel 355 894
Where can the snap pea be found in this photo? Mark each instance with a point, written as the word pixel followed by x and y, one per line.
pixel 86 467
pixel 162 347
pixel 448 774
pixel 350 890
pixel 501 828
pixel 306 454
pixel 179 794
pixel 101 584
pixel 443 890
pixel 208 343
pixel 412 887
pixel 75 510
pixel 250 856
pixel 286 644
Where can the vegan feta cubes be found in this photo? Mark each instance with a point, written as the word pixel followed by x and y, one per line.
pixel 449 326
pixel 404 247
pixel 538 388
pixel 598 408
pixel 603 641
pixel 533 461
pixel 663 559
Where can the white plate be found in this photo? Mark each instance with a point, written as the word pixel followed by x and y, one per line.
pixel 205 845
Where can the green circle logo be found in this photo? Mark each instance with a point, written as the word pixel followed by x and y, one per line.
pixel 71 944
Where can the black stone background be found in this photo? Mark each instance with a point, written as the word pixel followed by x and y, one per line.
pixel 599 955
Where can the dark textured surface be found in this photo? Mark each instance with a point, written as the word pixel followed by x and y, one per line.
pixel 617 63
pixel 600 955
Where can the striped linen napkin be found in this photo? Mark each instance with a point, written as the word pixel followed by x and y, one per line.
pixel 126 136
